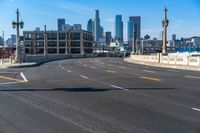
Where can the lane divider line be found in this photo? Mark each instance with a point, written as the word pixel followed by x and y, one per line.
pixel 122 67
pixel 8 83
pixel 192 77
pixel 148 71
pixel 150 78
pixel 12 79
pixel 110 71
pixel 24 78
pixel 84 77
pixel 118 87
pixel 92 67
pixel 69 71
pixel 85 65
pixel 196 109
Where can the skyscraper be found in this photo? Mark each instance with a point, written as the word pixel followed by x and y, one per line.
pixel 108 38
pixel 101 32
pixel 118 28
pixel 97 27
pixel 61 22
pixel 131 30
pixel 90 25
pixel 173 37
pixel 137 25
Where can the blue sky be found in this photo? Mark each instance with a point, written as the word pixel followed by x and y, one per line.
pixel 184 15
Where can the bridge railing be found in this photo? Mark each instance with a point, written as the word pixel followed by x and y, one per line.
pixel 173 60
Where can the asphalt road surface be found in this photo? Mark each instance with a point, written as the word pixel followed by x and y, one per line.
pixel 100 95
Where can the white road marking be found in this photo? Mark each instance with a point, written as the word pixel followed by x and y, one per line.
pixel 121 88
pixel 196 109
pixel 69 71
pixel 24 78
pixel 84 76
pixel 64 68
pixel 8 83
pixel 122 67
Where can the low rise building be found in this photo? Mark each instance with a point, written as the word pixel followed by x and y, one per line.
pixel 154 46
pixel 6 52
pixel 58 42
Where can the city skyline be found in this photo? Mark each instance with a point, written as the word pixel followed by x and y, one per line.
pixel 182 22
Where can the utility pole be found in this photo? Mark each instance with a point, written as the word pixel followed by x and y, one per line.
pixel 17 25
pixel 165 23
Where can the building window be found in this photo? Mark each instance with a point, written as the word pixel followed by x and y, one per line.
pixel 87 44
pixel 75 51
pixel 52 44
pixel 40 44
pixel 62 51
pixel 75 44
pixel 27 51
pixel 28 44
pixel 39 36
pixel 39 51
pixel 75 36
pixel 52 51
pixel 62 36
pixel 28 36
pixel 88 51
pixel 62 44
pixel 52 36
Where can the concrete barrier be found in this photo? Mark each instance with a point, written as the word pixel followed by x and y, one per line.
pixel 194 61
pixel 171 60
pixel 5 61
pixel 48 58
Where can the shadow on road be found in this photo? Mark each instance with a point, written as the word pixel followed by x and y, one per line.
pixel 59 89
pixel 151 88
pixel 79 89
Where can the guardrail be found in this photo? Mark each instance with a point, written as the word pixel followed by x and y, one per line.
pixel 173 60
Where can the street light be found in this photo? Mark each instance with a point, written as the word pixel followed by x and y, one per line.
pixel 17 25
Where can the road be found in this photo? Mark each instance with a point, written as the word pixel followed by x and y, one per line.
pixel 99 95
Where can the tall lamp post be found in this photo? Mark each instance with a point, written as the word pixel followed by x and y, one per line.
pixel 17 25
pixel 165 23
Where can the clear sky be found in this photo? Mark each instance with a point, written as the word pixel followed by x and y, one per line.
pixel 184 15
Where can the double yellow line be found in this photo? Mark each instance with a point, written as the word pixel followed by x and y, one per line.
pixel 12 79
pixel 150 78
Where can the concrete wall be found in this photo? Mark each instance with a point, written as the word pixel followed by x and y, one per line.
pixel 43 58
pixel 173 60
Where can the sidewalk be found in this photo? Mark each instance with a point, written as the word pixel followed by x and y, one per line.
pixel 18 65
pixel 172 66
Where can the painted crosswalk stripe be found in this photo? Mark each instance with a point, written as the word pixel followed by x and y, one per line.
pixel 110 71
